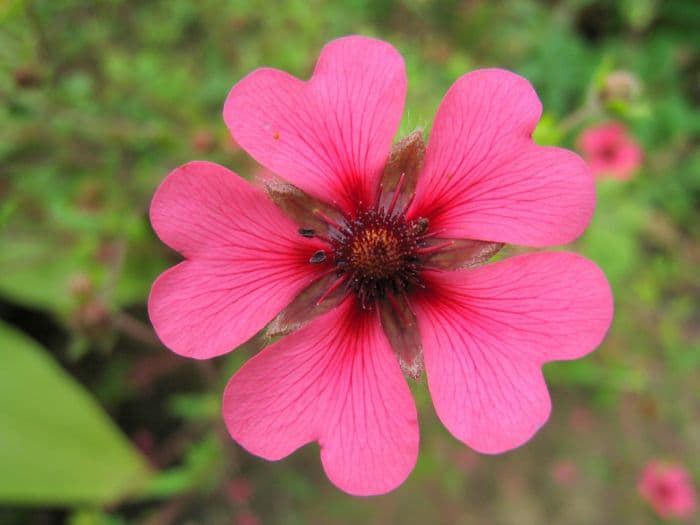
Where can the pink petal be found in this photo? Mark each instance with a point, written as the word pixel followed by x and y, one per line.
pixel 329 136
pixel 669 489
pixel 247 261
pixel 630 159
pixel 484 178
pixel 335 381
pixel 610 151
pixel 487 331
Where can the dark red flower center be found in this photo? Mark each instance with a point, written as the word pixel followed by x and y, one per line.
pixel 664 490
pixel 609 152
pixel 377 254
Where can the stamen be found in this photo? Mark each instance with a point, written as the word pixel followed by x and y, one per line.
pixel 397 308
pixel 433 249
pixel 318 257
pixel 434 234
pixel 421 226
pixel 397 193
pixel 325 218
pixel 377 253
pixel 378 195
pixel 409 201
pixel 324 239
pixel 333 287
pixel 310 233
pixel 408 304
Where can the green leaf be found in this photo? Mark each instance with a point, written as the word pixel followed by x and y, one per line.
pixel 57 445
pixel 9 8
pixel 36 271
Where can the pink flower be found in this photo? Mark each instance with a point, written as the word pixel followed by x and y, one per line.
pixel 240 490
pixel 564 472
pixel 247 518
pixel 368 258
pixel 610 151
pixel 668 489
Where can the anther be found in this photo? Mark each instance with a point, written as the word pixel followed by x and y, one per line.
pixel 421 226
pixel 397 192
pixel 338 282
pixel 307 232
pixel 433 249
pixel 318 257
pixel 325 218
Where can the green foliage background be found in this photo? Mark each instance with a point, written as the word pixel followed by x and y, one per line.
pixel 101 99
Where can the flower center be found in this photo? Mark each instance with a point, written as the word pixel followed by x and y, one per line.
pixel 377 253
pixel 664 490
pixel 374 252
pixel 608 152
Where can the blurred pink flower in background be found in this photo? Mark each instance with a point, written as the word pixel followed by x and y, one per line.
pixel 372 267
pixel 564 472
pixel 668 488
pixel 248 518
pixel 204 141
pixel 610 151
pixel 581 420
pixel 240 490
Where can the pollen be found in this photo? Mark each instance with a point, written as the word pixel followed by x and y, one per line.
pixel 376 253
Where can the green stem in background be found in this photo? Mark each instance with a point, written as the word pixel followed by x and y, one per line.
pixel 45 47
pixel 578 117
pixel 136 330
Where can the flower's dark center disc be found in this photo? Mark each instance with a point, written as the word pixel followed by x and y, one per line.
pixel 609 152
pixel 377 252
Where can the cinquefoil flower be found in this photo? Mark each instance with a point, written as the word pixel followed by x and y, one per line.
pixel 668 488
pixel 610 151
pixel 368 260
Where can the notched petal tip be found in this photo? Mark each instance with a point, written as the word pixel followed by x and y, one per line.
pixel 336 382
pixel 495 326
pixel 329 135
pixel 484 177
pixel 245 261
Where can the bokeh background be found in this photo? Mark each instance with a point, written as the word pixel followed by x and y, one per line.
pixel 100 425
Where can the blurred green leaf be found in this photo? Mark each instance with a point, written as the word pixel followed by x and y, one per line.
pixel 57 446
pixel 35 271
pixel 547 132
pixel 194 407
pixel 9 7
pixel 94 517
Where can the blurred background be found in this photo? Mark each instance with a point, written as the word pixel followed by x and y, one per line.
pixel 100 425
